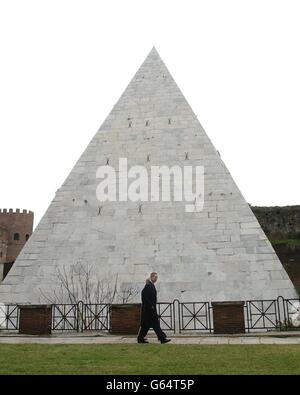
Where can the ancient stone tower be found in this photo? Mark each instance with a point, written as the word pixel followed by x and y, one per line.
pixel 15 229
pixel 219 253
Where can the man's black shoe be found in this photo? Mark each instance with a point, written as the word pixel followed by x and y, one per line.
pixel 142 341
pixel 165 341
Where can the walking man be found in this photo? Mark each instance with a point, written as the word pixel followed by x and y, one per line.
pixel 149 316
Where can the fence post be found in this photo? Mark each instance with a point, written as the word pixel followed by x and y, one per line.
pixel 176 320
pixel 80 317
pixel 284 324
pixel 208 315
pixel 246 307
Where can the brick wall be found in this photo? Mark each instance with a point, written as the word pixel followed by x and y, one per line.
pixel 15 229
pixel 3 244
pixel 228 317
pixel 125 318
pixel 16 222
pixel 35 320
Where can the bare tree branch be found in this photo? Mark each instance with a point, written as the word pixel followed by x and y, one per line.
pixel 81 283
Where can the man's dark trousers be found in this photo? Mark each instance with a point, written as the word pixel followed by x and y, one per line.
pixel 152 323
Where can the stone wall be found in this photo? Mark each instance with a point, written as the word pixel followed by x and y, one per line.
pixel 289 255
pixel 279 222
pixel 282 227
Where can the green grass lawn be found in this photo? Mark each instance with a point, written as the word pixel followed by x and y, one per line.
pixel 149 359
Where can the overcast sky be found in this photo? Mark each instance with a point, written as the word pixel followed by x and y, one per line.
pixel 64 64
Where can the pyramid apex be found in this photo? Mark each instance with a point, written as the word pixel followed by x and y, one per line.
pixel 152 60
pixel 153 51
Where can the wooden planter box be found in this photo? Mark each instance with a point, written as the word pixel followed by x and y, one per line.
pixel 35 319
pixel 125 318
pixel 228 317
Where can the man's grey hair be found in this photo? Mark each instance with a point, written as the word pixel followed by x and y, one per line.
pixel 148 279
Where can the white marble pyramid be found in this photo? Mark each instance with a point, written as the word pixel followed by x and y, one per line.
pixel 219 253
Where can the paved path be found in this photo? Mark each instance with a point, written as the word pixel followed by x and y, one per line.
pixel 110 339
